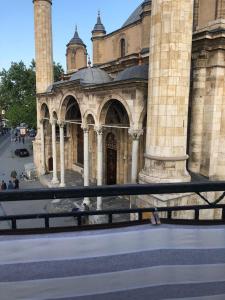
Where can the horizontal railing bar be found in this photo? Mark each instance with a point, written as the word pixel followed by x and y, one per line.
pixel 109 212
pixel 113 190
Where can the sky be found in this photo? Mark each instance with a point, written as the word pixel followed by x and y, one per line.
pixel 17 29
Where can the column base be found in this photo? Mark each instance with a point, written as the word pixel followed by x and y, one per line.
pixel 62 185
pixel 55 181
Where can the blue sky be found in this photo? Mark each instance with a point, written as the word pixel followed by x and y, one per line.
pixel 17 31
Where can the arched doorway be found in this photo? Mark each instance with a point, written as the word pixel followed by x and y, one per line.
pixel 116 122
pixel 111 159
pixel 75 143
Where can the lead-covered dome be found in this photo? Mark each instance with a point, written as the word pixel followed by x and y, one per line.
pixel 91 76
pixel 136 14
pixel 135 72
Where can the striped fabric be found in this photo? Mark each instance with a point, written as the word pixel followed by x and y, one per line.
pixel 144 262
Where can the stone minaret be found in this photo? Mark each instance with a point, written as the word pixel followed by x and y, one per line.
pixel 169 79
pixel 43 44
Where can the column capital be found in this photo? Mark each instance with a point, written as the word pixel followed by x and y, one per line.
pixel 99 130
pixel 61 123
pixel 85 128
pixel 41 121
pixel 135 133
pixel 53 121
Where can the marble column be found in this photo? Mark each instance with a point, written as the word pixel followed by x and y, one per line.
pixel 86 156
pixel 43 170
pixel 62 154
pixel 135 135
pixel 99 132
pixel 54 178
pixel 169 80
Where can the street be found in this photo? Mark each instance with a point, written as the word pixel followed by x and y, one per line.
pixel 8 162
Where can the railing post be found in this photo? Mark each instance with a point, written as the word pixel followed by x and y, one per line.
pixel 46 222
pixel 140 216
pixel 79 222
pixel 110 218
pixel 196 214
pixel 223 214
pixel 14 223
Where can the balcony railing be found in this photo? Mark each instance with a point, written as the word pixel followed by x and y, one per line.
pixel 117 190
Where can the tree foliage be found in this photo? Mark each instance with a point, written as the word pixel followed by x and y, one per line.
pixel 18 90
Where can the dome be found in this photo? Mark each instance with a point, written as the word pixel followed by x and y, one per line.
pixel 135 72
pixel 91 76
pixel 136 15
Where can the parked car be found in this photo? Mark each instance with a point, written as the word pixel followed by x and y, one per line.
pixel 32 133
pixel 22 152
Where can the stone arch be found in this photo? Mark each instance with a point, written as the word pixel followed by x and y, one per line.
pixel 142 117
pixel 44 111
pixel 87 116
pixel 103 109
pixel 67 100
pixel 54 115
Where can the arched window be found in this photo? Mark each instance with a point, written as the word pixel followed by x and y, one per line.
pixel 122 47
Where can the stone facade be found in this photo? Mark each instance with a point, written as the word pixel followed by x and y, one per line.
pixel 117 123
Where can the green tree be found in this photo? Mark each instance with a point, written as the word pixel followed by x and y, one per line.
pixel 18 90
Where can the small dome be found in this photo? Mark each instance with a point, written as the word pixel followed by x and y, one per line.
pixel 135 72
pixel 99 27
pixel 76 40
pixel 91 76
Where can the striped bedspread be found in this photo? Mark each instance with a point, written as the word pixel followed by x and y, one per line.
pixel 145 262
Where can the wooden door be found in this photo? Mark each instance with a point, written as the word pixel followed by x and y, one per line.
pixel 80 145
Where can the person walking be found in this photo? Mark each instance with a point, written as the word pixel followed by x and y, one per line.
pixel 16 183
pixel 3 185
pixel 10 185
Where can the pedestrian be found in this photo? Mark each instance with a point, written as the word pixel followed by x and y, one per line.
pixel 10 185
pixel 3 185
pixel 19 138
pixel 85 208
pixel 155 219
pixel 16 183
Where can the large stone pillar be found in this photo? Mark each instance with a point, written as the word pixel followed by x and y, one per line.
pixel 54 178
pixel 197 115
pixel 43 44
pixel 43 170
pixel 62 154
pixel 99 131
pixel 169 63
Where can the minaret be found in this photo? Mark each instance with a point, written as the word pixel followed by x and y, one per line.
pixel 169 81
pixel 43 44
pixel 97 34
pixel 76 53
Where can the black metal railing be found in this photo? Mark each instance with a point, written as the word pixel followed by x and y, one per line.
pixel 80 217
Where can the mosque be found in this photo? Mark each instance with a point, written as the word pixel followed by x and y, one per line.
pixel 149 109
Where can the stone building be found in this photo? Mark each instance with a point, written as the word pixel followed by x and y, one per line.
pixel 151 107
